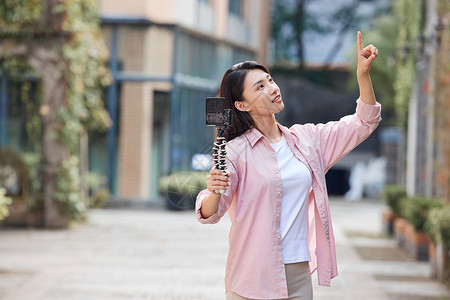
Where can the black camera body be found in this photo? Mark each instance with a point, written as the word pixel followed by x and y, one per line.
pixel 216 114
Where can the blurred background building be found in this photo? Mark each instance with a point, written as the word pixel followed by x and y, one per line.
pixel 166 57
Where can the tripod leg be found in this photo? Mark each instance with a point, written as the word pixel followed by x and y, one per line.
pixel 219 155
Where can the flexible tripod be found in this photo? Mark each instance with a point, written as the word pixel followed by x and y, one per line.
pixel 218 116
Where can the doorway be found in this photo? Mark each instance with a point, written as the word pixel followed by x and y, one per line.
pixel 160 146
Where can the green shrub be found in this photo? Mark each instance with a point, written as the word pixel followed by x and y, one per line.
pixel 13 166
pixel 416 209
pixel 438 225
pixel 392 196
pixel 4 202
pixel 187 183
pixel 67 189
pixel 99 193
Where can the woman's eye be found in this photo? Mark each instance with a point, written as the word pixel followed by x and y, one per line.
pixel 260 86
pixel 270 80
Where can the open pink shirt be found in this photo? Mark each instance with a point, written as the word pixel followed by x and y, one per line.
pixel 255 267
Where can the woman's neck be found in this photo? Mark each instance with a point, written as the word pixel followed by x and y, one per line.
pixel 269 128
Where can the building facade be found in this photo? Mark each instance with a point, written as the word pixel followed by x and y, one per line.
pixel 166 57
pixel 424 153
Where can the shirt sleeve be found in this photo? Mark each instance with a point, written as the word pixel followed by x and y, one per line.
pixel 225 199
pixel 338 138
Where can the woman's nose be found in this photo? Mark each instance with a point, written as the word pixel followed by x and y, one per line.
pixel 274 89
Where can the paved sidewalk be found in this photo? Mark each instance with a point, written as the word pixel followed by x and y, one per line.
pixel 370 266
pixel 156 254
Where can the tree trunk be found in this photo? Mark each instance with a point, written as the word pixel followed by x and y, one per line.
pixel 300 28
pixel 49 63
pixel 46 62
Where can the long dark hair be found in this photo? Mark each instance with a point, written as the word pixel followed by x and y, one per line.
pixel 231 89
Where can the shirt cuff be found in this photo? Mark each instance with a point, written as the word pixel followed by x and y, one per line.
pixel 198 206
pixel 368 112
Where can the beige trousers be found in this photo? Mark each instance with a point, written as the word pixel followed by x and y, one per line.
pixel 299 284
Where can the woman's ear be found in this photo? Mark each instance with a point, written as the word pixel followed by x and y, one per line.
pixel 240 105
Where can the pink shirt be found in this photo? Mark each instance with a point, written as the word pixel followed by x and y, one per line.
pixel 255 267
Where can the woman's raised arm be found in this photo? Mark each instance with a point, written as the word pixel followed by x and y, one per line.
pixel 366 56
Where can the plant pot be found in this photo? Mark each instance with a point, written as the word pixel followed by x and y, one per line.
pixel 416 243
pixel 440 263
pixel 399 231
pixel 388 222
pixel 435 263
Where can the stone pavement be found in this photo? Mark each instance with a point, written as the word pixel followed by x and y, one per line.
pixel 157 254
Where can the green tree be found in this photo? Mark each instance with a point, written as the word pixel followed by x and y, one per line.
pixel 383 35
pixel 60 40
pixel 291 19
pixel 408 15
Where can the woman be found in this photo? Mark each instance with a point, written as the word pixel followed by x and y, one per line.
pixel 275 185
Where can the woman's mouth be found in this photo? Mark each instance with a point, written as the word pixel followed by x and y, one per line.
pixel 277 99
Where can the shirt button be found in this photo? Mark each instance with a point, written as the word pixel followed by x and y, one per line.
pixel 281 259
pixel 278 215
pixel 279 237
pixel 278 193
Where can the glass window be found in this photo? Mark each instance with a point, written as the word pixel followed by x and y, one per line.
pixel 236 7
pixel 242 55
pixel 206 59
pixel 190 134
pixel 196 56
pixel 20 124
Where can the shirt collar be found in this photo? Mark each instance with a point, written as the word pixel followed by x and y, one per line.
pixel 253 135
pixel 286 132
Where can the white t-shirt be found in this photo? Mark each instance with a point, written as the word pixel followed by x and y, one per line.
pixel 296 181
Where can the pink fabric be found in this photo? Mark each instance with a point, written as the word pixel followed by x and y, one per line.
pixel 255 267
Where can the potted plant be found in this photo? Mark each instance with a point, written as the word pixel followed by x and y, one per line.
pixel 416 211
pixel 438 226
pixel 181 188
pixel 392 196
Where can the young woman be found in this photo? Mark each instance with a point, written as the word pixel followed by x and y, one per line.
pixel 276 194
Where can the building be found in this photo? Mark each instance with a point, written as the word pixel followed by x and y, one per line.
pixel 166 57
pixel 425 146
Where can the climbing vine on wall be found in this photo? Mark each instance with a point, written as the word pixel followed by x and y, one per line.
pixel 61 42
pixel 86 55
pixel 408 16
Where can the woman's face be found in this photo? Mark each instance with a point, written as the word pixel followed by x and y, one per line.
pixel 261 96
